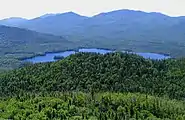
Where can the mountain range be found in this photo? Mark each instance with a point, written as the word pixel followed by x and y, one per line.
pixel 122 29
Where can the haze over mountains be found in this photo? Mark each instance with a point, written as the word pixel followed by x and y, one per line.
pixel 122 29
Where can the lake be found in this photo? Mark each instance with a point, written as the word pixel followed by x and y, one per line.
pixel 49 57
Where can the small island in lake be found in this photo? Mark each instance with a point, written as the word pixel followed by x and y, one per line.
pixel 58 57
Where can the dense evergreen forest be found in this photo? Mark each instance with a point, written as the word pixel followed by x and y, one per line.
pixel 99 106
pixel 114 86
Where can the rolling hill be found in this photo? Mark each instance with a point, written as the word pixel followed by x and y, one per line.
pixel 118 72
pixel 95 87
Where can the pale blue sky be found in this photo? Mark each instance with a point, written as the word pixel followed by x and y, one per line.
pixel 34 8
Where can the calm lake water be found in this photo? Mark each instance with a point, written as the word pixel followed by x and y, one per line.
pixel 49 57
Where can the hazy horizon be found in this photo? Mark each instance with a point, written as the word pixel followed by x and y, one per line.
pixel 33 8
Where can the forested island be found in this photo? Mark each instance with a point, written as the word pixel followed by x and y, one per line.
pixel 58 57
pixel 113 86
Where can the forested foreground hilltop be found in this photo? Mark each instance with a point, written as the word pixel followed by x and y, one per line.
pixel 93 86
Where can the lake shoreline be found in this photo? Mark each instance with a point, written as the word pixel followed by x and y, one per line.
pixel 59 51
pixel 49 56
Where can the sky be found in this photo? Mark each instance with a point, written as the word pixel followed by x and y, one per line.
pixel 34 8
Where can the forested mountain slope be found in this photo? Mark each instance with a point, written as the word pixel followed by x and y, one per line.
pixel 95 87
pixel 16 43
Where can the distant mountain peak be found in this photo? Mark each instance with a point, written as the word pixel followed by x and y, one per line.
pixel 13 19
pixel 47 15
pixel 71 13
pixel 120 12
pixel 129 12
pixel 52 16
